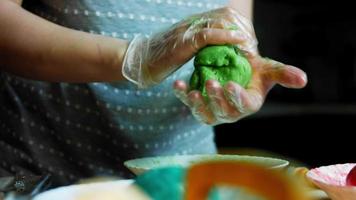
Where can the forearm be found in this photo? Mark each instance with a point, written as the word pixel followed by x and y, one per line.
pixel 38 49
pixel 245 7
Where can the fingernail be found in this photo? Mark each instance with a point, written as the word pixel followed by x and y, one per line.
pixel 212 83
pixel 304 78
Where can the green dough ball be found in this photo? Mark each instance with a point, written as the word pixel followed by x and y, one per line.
pixel 163 183
pixel 223 63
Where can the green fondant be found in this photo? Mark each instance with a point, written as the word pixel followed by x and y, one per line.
pixel 223 63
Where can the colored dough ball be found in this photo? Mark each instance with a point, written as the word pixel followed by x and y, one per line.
pixel 223 63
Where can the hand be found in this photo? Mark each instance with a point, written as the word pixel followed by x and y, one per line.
pixel 231 102
pixel 149 60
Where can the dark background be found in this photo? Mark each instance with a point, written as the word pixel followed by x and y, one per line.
pixel 315 125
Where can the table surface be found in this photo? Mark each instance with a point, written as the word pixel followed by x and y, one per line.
pixel 71 192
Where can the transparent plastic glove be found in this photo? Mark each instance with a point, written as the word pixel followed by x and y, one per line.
pixel 231 102
pixel 149 60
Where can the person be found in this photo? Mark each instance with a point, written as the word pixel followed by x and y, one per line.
pixel 86 85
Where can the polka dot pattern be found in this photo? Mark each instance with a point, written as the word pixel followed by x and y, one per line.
pixel 179 3
pixel 73 131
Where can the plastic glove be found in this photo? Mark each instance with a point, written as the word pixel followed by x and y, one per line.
pixel 231 102
pixel 149 60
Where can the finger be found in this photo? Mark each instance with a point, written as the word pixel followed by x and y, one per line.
pixel 246 101
pixel 195 101
pixel 218 102
pixel 181 91
pixel 285 75
pixel 225 15
pixel 235 94
pixel 217 37
pixel 221 23
pixel 222 18
pixel 200 109
pixel 238 19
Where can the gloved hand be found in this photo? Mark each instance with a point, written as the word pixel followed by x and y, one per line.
pixel 149 60
pixel 231 102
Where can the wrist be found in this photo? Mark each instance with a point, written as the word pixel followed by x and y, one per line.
pixel 134 66
pixel 115 57
pixel 122 48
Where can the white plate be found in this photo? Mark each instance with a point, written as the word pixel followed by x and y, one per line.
pixel 75 191
pixel 138 166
